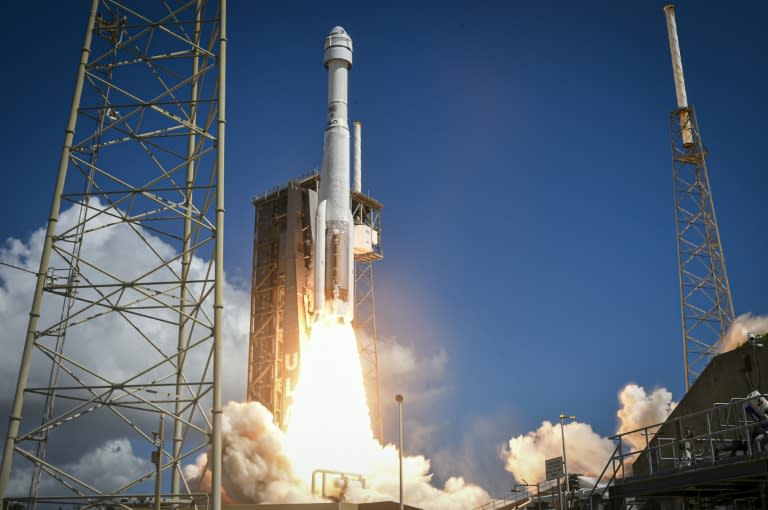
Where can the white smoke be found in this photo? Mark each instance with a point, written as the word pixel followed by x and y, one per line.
pixel 256 469
pixel 255 466
pixel 639 410
pixel 587 451
pixel 742 326
pixel 419 375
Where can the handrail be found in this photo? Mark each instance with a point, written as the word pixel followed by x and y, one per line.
pixel 613 477
pixel 728 430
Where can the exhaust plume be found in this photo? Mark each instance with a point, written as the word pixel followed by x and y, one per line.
pixel 258 469
pixel 587 451
pixel 742 326
pixel 639 409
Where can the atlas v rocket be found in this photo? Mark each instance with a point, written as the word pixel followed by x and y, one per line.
pixel 334 244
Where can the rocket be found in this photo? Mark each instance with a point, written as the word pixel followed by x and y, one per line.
pixel 334 257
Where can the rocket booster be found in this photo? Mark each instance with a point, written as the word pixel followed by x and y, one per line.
pixel 334 257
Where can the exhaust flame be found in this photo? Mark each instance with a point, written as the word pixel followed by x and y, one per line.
pixel 328 428
pixel 329 425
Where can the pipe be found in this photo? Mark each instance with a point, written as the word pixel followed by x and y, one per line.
pixel 158 458
pixel 185 297
pixel 677 72
pixel 218 295
pixel 677 63
pixel 399 399
pixel 357 179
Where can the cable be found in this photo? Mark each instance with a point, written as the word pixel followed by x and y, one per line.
pixel 17 267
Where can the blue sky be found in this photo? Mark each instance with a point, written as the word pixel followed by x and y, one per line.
pixel 521 150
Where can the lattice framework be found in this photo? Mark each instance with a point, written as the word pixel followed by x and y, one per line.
pixel 132 338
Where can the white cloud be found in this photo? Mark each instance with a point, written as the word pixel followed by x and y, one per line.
pixel 106 468
pixel 108 345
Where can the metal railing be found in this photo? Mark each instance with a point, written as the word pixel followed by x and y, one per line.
pixel 536 495
pixel 726 432
pixel 187 501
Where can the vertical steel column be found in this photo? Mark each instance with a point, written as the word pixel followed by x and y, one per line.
pixel 186 258
pixel 53 218
pixel 219 258
pixel 367 340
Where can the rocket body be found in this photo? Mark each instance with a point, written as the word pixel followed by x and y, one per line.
pixel 334 256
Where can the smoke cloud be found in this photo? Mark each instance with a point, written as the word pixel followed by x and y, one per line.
pixel 256 469
pixel 639 409
pixel 587 451
pixel 742 326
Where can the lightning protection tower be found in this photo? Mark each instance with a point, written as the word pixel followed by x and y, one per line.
pixel 125 329
pixel 705 295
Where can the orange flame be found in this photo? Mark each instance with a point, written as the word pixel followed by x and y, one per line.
pixel 329 425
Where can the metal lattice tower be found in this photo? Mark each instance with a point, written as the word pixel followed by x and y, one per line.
pixel 705 295
pixel 367 212
pixel 119 343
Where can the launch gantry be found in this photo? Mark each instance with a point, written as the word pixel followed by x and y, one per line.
pixel 131 335
pixel 282 293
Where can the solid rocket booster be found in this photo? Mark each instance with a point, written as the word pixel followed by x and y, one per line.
pixel 334 257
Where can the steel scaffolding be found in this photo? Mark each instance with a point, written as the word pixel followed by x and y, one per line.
pixel 119 339
pixel 367 211
pixel 265 353
pixel 705 295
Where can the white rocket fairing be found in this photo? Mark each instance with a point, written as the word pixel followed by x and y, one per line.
pixel 334 258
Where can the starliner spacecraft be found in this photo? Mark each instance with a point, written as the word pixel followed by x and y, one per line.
pixel 334 243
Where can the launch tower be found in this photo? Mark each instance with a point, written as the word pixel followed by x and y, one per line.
pixel 705 294
pixel 122 342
